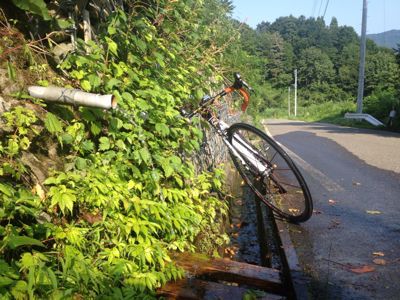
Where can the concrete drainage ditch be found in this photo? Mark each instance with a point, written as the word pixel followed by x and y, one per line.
pixel 260 262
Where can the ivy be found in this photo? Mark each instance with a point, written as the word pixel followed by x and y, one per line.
pixel 18 124
pixel 53 125
pixel 37 7
pixel 127 194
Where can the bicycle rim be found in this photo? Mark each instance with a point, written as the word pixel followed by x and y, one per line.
pixel 284 189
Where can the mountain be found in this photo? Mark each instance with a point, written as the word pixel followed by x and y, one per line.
pixel 388 39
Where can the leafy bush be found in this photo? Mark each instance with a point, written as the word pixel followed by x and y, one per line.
pixel 127 194
pixel 381 102
pixel 37 7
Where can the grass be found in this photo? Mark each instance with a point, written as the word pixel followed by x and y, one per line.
pixel 327 112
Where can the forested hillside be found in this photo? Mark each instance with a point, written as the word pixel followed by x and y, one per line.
pixel 92 202
pixel 327 60
pixel 389 39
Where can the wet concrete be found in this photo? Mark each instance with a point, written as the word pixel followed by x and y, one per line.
pixel 244 245
pixel 252 238
pixel 350 247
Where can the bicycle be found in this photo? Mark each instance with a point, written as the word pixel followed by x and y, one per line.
pixel 264 166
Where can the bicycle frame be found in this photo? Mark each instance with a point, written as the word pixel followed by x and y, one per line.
pixel 239 147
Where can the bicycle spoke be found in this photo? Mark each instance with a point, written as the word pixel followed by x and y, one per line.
pixel 281 187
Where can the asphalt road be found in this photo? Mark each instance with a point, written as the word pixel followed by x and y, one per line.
pixel 350 248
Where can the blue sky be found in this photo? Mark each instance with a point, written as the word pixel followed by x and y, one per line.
pixel 383 15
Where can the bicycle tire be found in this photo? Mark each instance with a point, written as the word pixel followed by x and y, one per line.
pixel 284 190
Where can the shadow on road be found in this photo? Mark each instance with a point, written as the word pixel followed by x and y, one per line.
pixel 343 234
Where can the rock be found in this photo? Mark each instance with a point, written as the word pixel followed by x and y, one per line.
pixel 4 106
pixel 39 166
pixel 60 51
pixel 8 86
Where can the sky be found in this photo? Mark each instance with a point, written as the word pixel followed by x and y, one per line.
pixel 383 15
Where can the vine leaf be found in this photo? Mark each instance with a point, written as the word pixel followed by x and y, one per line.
pixel 104 143
pixel 5 189
pixel 17 241
pixel 80 163
pixel 5 281
pixel 145 155
pixel 85 84
pixel 162 129
pixel 52 124
pixel 37 7
pixel 11 71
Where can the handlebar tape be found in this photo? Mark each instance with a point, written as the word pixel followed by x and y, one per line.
pixel 243 92
pixel 246 99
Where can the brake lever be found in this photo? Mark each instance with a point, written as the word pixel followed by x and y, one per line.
pixel 245 84
pixel 184 113
pixel 239 83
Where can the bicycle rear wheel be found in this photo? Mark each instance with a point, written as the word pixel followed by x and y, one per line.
pixel 270 173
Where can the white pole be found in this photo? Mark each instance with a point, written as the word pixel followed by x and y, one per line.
pixel 295 92
pixel 289 101
pixel 72 97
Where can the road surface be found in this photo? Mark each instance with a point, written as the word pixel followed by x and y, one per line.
pixel 350 247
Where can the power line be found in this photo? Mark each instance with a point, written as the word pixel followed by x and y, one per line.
pixel 314 8
pixel 320 6
pixel 384 22
pixel 326 7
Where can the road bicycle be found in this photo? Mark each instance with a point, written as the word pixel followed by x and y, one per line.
pixel 264 166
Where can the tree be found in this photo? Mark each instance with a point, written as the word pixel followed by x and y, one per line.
pixel 346 35
pixel 334 24
pixel 315 66
pixel 348 63
pixel 249 37
pixel 263 26
pixel 382 71
pixel 397 53
pixel 287 28
pixel 279 61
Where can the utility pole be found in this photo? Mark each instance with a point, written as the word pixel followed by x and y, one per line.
pixel 289 101
pixel 359 115
pixel 295 92
pixel 362 59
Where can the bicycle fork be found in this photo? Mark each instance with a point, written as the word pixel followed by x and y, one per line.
pixel 241 149
pixel 246 155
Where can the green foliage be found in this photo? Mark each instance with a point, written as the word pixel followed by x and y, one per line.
pixel 127 194
pixel 11 71
pixel 52 124
pixel 18 124
pixel 314 67
pixel 381 102
pixel 17 241
pixel 382 71
pixel 253 295
pixel 37 7
pixel 326 112
pixel 331 112
pixel 327 60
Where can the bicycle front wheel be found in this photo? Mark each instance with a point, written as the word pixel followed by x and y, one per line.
pixel 270 173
